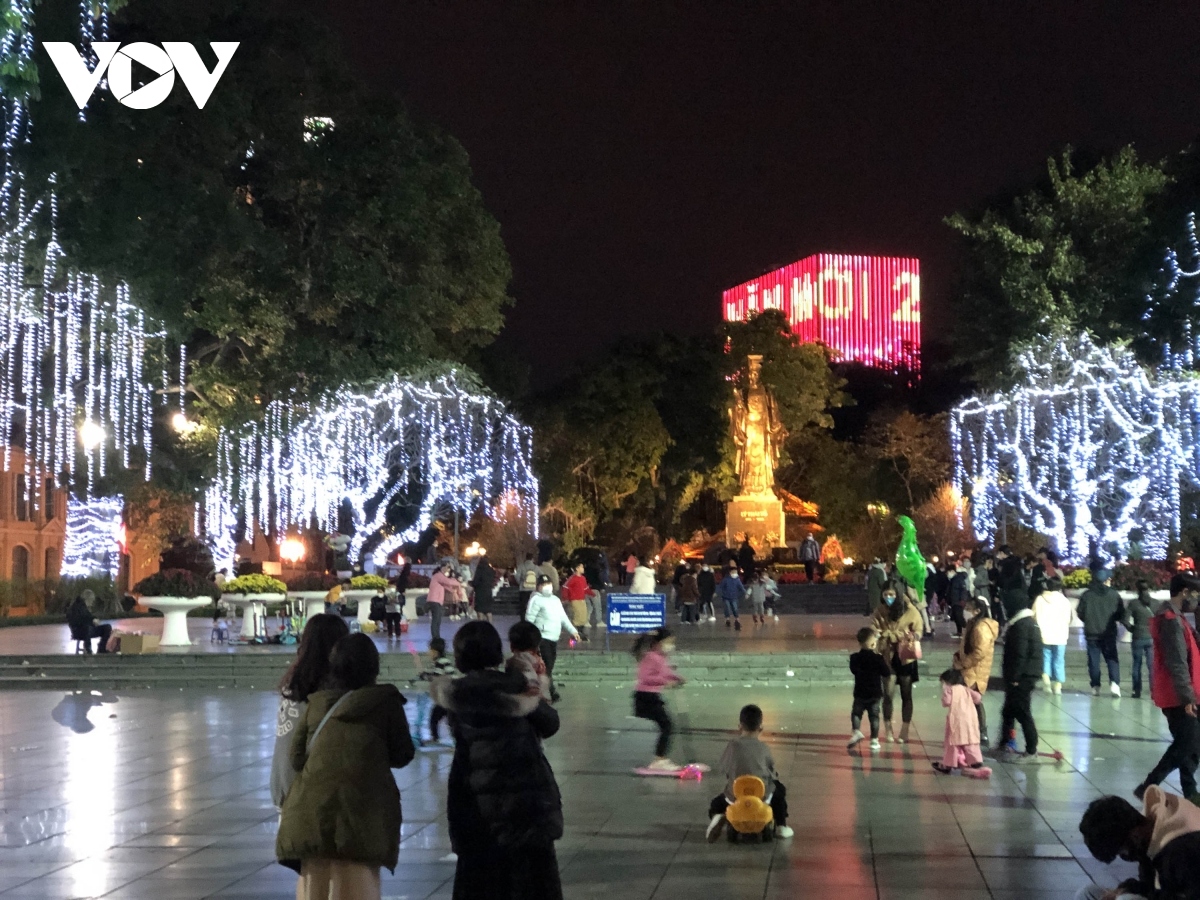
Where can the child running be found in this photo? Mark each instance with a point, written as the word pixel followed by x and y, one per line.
pixel 869 670
pixel 440 666
pixel 746 754
pixel 961 744
pixel 653 674
pixel 524 640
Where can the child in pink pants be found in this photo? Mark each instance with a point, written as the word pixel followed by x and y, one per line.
pixel 962 724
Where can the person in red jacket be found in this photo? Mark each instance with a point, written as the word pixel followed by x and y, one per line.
pixel 1174 687
pixel 574 598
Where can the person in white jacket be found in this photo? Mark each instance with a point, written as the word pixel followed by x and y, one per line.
pixel 644 581
pixel 1052 612
pixel 546 612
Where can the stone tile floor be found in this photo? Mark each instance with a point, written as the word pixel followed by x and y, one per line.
pixel 163 795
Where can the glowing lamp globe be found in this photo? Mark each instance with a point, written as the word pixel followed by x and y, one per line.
pixel 291 550
pixel 91 435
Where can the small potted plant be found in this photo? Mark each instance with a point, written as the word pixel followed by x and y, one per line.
pixel 173 592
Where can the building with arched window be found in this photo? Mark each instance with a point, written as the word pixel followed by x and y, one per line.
pixel 33 522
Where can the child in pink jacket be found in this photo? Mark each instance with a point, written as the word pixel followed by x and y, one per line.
pixel 962 724
pixel 653 674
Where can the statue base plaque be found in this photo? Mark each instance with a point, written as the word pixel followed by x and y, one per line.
pixel 761 518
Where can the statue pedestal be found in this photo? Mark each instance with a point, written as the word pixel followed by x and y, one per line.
pixel 760 517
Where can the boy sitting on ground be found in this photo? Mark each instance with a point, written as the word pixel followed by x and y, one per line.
pixel 746 754
pixel 1164 841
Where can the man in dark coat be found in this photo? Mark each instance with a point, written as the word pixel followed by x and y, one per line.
pixel 957 596
pixel 1100 609
pixel 810 555
pixel 1022 671
pixel 83 624
pixel 745 561
pixel 706 583
pixel 1010 582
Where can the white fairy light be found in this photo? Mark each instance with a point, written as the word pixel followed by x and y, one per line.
pixel 1088 449
pixel 456 448
pixel 91 547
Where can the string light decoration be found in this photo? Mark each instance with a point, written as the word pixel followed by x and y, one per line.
pixel 456 446
pixel 1089 448
pixel 73 350
pixel 93 532
pixel 1173 307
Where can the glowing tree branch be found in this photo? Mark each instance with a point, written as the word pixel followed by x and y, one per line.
pixel 1089 450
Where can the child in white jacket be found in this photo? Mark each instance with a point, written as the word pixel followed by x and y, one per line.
pixel 1052 612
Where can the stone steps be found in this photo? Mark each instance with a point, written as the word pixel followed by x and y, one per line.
pixel 247 670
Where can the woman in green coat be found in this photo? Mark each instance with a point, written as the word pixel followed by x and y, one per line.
pixel 341 819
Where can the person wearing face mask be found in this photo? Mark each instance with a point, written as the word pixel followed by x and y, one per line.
pixel 706 583
pixel 897 621
pixel 1175 689
pixel 546 612
pixel 441 587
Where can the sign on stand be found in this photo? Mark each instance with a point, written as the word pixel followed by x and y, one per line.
pixel 635 614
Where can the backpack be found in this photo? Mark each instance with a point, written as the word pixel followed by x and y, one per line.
pixel 529 582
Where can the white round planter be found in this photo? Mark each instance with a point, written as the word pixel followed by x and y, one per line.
pixel 314 602
pixel 175 610
pixel 254 611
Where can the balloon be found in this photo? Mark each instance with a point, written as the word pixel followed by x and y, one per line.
pixel 909 561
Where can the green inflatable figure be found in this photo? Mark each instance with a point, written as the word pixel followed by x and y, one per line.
pixel 909 561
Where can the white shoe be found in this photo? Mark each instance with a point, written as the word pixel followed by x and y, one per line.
pixel 712 618
pixel 1046 683
pixel 875 744
pixel 855 738
pixel 1058 688
pixel 1096 691
pixel 783 831
pixel 664 765
pixel 777 619
pixel 715 826
pixel 1115 690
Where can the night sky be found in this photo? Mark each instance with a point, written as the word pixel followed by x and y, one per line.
pixel 642 156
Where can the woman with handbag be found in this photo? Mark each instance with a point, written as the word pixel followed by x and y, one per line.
pixel 341 818
pixel 899 624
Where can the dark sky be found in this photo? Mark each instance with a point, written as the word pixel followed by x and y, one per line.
pixel 641 156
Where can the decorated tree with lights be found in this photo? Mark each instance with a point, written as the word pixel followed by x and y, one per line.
pixel 1090 449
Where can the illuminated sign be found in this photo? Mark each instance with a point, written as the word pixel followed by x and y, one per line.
pixel 864 308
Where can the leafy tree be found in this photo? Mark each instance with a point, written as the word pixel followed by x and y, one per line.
pixel 916 447
pixel 1070 252
pixel 289 253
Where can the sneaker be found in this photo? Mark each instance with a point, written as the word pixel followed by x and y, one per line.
pixel 729 624
pixel 712 618
pixel 777 619
pixel 941 767
pixel 875 743
pixel 1114 689
pixel 716 825
pixel 1096 690
pixel 1058 689
pixel 783 831
pixel 664 765
pixel 737 626
pixel 1136 695
pixel 1046 683
pixel 855 738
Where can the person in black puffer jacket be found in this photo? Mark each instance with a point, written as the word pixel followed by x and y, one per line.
pixel 504 808
pixel 1022 671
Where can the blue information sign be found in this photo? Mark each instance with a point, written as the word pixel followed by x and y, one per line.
pixel 635 613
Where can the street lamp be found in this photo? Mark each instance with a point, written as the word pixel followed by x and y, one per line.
pixel 91 435
pixel 475 550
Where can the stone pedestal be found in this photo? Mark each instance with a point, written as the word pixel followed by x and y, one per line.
pixel 760 517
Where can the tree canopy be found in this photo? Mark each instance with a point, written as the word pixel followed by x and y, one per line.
pixel 297 233
pixel 1068 252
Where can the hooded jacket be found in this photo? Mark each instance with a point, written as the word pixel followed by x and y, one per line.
pixel 876 579
pixel 1174 843
pixel 975 652
pixel 1052 611
pixel 344 803
pixel 502 791
pixel 643 581
pixel 1022 649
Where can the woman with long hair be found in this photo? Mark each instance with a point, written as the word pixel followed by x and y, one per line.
pixel 304 677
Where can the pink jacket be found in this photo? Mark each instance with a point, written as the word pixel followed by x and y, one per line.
pixel 438 585
pixel 655 673
pixel 962 721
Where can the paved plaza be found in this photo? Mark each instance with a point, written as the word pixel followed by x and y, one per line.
pixel 163 794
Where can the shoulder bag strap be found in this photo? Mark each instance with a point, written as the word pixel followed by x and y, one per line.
pixel 325 718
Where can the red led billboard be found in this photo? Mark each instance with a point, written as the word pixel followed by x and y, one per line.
pixel 864 308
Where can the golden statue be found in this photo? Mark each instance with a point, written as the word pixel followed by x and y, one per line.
pixel 757 432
